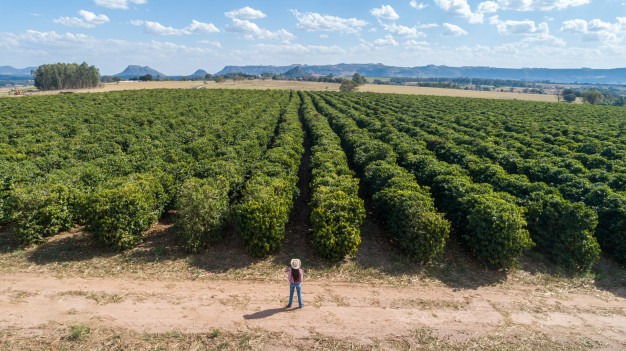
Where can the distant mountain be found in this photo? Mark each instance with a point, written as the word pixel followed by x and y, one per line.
pixel 137 71
pixel 12 71
pixel 198 74
pixel 566 75
pixel 297 72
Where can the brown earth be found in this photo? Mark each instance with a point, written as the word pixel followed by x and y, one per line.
pixel 70 294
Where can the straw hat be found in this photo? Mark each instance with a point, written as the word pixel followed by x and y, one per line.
pixel 295 263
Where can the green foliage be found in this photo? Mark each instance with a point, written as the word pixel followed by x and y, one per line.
pixel 611 209
pixel 407 209
pixel 267 198
pixel 66 76
pixel 358 79
pixel 564 231
pixel 39 211
pixel 123 209
pixel 336 219
pixel 337 212
pixel 495 230
pixel 591 96
pixel 203 209
pixel 348 86
pixel 263 212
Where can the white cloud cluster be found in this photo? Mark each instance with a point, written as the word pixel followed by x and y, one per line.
pixel 388 40
pixel 453 30
pixel 597 30
pixel 385 12
pixel 527 26
pixel 418 5
pixel 159 29
pixel 403 31
pixel 247 13
pixel 86 20
pixel 539 5
pixel 312 21
pixel 240 23
pixel 460 8
pixel 118 4
pixel 252 31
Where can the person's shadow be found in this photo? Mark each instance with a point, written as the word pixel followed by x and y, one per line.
pixel 266 313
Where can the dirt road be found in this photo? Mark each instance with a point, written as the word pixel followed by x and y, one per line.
pixel 363 314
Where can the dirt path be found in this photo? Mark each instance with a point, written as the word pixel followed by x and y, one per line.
pixel 362 313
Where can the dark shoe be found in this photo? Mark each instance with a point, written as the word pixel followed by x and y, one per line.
pixel 301 306
pixel 288 306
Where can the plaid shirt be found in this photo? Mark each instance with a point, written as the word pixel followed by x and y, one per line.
pixel 290 277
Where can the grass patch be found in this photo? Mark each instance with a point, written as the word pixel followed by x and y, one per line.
pixel 78 332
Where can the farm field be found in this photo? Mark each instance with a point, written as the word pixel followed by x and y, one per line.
pixel 305 86
pixel 469 222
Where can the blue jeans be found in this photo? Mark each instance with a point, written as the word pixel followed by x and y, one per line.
pixel 298 287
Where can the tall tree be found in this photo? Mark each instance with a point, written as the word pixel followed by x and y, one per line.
pixel 66 76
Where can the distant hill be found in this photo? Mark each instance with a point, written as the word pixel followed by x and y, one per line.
pixel 198 74
pixel 12 71
pixel 137 71
pixel 565 75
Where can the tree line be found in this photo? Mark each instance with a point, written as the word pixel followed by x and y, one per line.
pixel 66 76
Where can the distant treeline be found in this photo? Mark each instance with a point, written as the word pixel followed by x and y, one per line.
pixel 451 82
pixel 66 76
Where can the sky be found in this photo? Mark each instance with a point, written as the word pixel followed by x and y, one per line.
pixel 178 37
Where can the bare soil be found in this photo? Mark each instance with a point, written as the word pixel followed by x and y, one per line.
pixel 70 294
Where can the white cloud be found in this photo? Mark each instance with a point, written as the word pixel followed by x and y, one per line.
pixel 253 31
pixel 312 21
pixel 388 40
pixel 488 7
pixel 245 13
pixel 418 5
pixel 159 29
pixel 427 26
pixel 403 31
pixel 293 48
pixel 415 45
pixel 118 4
pixel 460 8
pixel 385 12
pixel 216 44
pixel 87 20
pixel 597 30
pixel 453 30
pixel 527 26
pixel 539 5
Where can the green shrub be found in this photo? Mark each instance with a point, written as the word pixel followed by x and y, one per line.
pixel 39 211
pixel 263 212
pixel 611 229
pixel 336 219
pixel 202 210
pixel 123 209
pixel 495 230
pixel 564 231
pixel 410 216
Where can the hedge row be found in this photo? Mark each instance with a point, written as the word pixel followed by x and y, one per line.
pixel 267 199
pixel 562 230
pixel 119 212
pixel 337 211
pixel 407 209
pixel 562 226
pixel 205 202
pixel 492 225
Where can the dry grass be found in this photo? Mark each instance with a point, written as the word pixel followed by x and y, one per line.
pixel 87 337
pixel 160 257
pixel 296 85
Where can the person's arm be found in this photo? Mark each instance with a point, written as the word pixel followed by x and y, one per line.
pixel 289 276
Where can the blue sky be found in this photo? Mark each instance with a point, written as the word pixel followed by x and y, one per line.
pixel 178 37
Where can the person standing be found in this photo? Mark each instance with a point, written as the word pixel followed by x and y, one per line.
pixel 295 276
